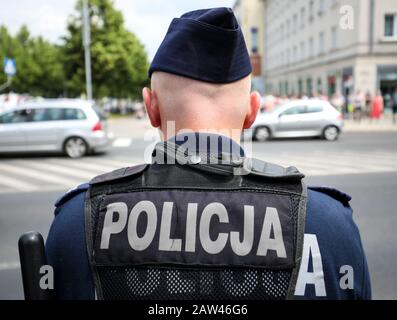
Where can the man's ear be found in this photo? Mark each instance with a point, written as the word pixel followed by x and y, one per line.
pixel 255 103
pixel 152 107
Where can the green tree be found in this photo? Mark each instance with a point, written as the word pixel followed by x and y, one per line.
pixel 6 50
pixel 119 60
pixel 39 64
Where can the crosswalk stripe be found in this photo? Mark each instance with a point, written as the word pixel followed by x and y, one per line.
pixel 93 166
pixel 330 163
pixel 24 175
pixel 363 162
pixel 118 163
pixel 122 142
pixel 9 265
pixel 38 175
pixel 373 158
pixel 80 174
pixel 17 184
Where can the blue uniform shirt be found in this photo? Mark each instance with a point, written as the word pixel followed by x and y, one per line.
pixel 333 261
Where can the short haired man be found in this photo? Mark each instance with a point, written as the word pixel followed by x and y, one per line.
pixel 195 213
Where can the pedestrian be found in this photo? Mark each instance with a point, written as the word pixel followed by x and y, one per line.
pixel 377 107
pixel 203 220
pixel 338 101
pixel 368 104
pixel 358 104
pixel 394 98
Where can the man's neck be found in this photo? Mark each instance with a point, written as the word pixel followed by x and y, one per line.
pixel 171 131
pixel 211 143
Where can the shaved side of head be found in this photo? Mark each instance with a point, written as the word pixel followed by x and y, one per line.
pixel 192 105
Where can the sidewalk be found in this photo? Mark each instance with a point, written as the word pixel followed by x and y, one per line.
pixel 366 125
pixel 135 128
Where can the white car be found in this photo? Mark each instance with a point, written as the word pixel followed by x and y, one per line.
pixel 299 118
pixel 74 127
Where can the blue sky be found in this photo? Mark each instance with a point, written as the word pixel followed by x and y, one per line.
pixel 148 19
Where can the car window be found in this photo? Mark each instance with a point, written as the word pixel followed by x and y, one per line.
pixel 47 114
pixel 18 116
pixel 295 110
pixel 74 114
pixel 101 114
pixel 314 109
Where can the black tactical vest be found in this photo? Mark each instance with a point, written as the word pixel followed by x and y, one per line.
pixel 196 229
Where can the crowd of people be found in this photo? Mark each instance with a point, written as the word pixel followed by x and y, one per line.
pixel 354 106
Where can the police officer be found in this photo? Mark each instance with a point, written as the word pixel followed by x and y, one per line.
pixel 203 220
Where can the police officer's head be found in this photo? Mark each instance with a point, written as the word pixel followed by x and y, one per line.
pixel 201 76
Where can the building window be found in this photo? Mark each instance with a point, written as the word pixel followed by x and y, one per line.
pixel 282 32
pixel 303 17
pixel 311 47
pixel 334 3
pixel 288 27
pixel 334 37
pixel 254 38
pixel 309 86
pixel 295 53
pixel 321 43
pixel 288 56
pixel 391 25
pixel 295 23
pixel 321 7
pixel 319 86
pixel 303 49
pixel 311 10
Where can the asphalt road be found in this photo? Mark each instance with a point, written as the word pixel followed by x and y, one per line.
pixel 361 164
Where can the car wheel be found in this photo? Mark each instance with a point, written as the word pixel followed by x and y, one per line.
pixel 75 147
pixel 331 133
pixel 262 134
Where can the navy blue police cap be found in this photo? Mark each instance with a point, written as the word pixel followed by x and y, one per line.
pixel 206 45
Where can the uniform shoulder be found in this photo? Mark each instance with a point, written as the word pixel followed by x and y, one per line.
pixel 118 174
pixel 69 195
pixel 330 193
pixel 328 206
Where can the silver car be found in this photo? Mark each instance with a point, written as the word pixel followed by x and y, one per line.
pixel 300 118
pixel 74 127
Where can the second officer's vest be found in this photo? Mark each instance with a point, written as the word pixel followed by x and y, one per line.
pixel 195 229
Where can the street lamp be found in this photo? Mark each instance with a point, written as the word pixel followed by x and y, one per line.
pixel 87 51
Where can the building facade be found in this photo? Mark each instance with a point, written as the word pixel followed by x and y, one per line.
pixel 251 16
pixel 330 46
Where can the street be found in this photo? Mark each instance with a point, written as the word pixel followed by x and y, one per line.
pixel 362 164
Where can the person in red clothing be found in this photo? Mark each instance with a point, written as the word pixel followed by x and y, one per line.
pixel 377 106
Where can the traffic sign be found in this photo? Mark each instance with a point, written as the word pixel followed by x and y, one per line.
pixel 10 67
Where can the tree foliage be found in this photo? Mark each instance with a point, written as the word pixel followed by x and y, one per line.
pixel 119 60
pixel 39 69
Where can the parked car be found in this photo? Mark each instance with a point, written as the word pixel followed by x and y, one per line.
pixel 300 118
pixel 74 127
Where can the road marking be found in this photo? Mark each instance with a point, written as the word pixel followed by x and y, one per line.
pixel 122 142
pixel 17 184
pixel 118 163
pixel 61 174
pixel 45 166
pixel 333 163
pixel 9 265
pixel 39 175
pixel 93 166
